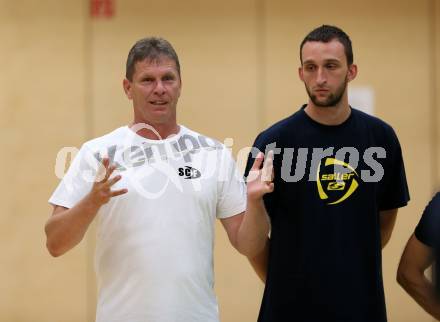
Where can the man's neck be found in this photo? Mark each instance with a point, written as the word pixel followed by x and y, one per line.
pixel 329 115
pixel 154 132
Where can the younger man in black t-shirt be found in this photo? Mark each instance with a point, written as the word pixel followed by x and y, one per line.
pixel 338 181
pixel 421 252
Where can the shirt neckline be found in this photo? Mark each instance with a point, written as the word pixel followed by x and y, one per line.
pixel 326 126
pixel 172 137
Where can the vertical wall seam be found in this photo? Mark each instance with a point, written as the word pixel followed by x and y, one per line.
pixel 261 63
pixel 88 126
pixel 261 75
pixel 433 50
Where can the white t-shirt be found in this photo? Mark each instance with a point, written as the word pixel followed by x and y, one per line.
pixel 154 252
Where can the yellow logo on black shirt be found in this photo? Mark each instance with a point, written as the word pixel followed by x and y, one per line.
pixel 337 186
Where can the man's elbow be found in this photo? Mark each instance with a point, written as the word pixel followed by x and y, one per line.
pixel 54 252
pixel 400 277
pixel 54 248
pixel 246 251
pixel 403 278
pixel 250 251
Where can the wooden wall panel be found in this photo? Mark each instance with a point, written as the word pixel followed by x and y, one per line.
pixel 61 84
pixel 42 109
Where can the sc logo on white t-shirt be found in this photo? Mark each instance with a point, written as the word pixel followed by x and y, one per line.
pixel 189 173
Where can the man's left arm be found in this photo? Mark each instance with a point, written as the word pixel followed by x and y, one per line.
pixel 416 258
pixel 248 231
pixel 387 222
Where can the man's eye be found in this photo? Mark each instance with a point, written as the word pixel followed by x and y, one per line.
pixel 331 66
pixel 310 68
pixel 168 78
pixel 148 80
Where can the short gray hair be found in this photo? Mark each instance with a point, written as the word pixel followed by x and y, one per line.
pixel 150 48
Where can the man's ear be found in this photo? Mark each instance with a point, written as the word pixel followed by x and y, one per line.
pixel 180 87
pixel 300 73
pixel 126 84
pixel 352 72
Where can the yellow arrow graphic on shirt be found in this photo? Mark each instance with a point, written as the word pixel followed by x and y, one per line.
pixel 354 184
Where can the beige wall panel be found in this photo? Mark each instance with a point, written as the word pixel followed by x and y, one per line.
pixel 46 103
pixel 436 91
pixel 391 48
pixel 41 81
pixel 216 44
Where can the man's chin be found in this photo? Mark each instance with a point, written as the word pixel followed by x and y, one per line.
pixel 323 103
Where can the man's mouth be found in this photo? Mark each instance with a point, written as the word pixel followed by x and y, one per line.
pixel 322 92
pixel 158 103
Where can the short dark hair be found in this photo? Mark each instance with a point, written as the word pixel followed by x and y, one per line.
pixel 151 48
pixel 327 33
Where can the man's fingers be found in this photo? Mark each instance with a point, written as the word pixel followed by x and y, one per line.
pixel 102 170
pixel 254 172
pixel 118 192
pixel 267 167
pixel 268 161
pixel 109 172
pixel 270 187
pixel 252 175
pixel 113 180
pixel 258 161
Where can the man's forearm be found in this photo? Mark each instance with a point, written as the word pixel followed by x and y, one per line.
pixel 422 291
pixel 260 262
pixel 254 229
pixel 66 228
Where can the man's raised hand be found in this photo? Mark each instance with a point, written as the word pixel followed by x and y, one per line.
pixel 259 180
pixel 101 192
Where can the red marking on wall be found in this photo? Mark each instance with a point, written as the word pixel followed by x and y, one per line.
pixel 102 8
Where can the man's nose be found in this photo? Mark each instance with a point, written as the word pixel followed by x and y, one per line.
pixel 321 76
pixel 160 88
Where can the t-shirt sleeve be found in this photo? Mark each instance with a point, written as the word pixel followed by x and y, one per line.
pixel 394 190
pixel 77 181
pixel 232 190
pixel 428 228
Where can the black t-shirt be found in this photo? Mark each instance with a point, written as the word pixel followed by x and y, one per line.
pixel 428 232
pixel 325 252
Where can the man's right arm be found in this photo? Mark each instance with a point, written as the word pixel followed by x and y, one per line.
pixel 66 227
pixel 416 258
pixel 260 262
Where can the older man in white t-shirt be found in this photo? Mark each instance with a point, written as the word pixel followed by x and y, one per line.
pixel 156 188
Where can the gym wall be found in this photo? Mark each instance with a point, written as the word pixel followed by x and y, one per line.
pixel 61 84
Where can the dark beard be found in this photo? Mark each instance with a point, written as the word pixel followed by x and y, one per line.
pixel 333 99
